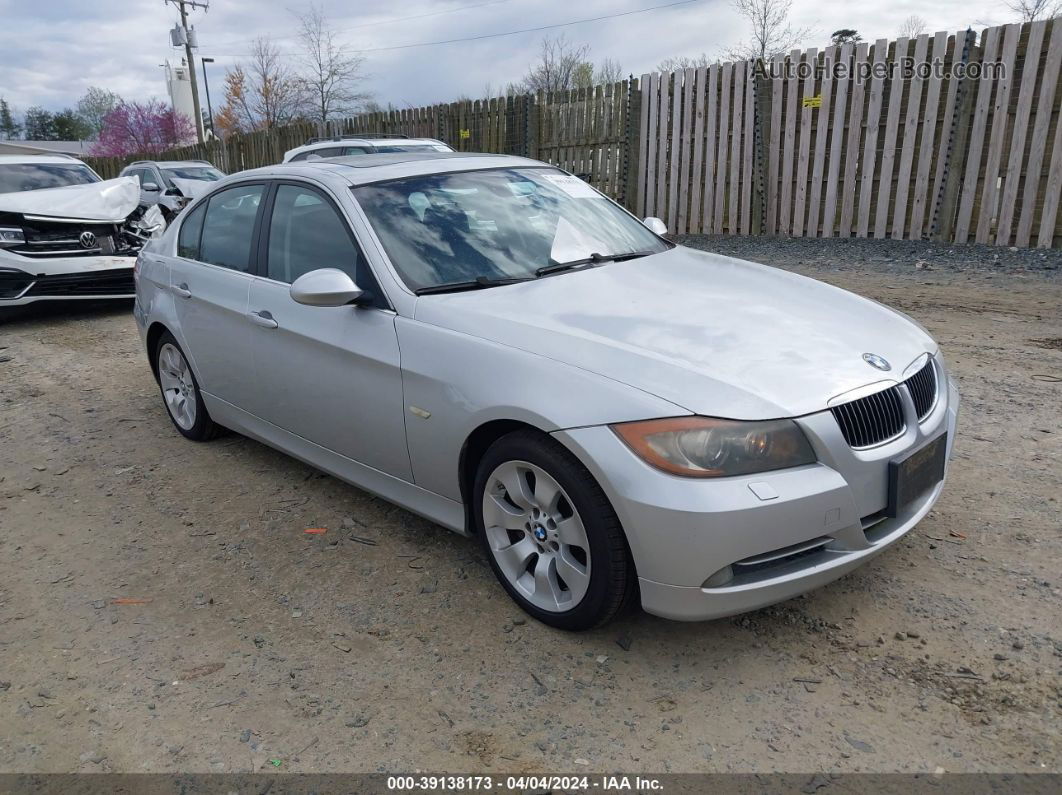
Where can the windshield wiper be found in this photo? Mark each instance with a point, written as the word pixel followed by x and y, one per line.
pixel 593 259
pixel 478 283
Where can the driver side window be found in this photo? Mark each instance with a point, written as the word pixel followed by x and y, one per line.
pixel 306 233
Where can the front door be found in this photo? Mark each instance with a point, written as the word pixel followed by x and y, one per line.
pixel 331 375
pixel 210 279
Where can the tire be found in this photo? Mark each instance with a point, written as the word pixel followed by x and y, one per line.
pixel 573 575
pixel 180 392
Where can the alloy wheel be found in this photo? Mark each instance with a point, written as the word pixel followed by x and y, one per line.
pixel 178 387
pixel 536 536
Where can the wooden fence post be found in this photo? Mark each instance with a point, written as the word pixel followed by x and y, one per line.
pixel 763 104
pixel 947 202
pixel 633 136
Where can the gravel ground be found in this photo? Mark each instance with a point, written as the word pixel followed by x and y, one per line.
pixel 163 609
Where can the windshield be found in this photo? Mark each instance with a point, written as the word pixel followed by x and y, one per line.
pixel 496 224
pixel 202 173
pixel 17 177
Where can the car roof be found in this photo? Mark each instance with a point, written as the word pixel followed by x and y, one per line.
pixel 186 163
pixel 364 169
pixel 347 141
pixel 28 159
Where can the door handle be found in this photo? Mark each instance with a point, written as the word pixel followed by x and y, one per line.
pixel 181 290
pixel 264 319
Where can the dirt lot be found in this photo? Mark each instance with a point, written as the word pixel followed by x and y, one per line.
pixel 385 644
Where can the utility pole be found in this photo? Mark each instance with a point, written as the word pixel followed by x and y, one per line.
pixel 183 6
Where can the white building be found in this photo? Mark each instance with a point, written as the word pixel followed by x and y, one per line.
pixel 179 86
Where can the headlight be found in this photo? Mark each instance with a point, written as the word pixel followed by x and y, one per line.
pixel 704 447
pixel 11 236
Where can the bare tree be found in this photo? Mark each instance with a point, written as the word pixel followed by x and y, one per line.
pixel 330 75
pixel 560 62
pixel 772 32
pixel 608 71
pixel 1032 10
pixel 683 62
pixel 261 94
pixel 913 27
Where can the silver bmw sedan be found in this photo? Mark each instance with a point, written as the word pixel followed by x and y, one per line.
pixel 491 343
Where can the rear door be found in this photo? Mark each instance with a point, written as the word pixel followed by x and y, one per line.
pixel 210 279
pixel 331 375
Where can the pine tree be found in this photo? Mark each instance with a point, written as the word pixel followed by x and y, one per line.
pixel 8 127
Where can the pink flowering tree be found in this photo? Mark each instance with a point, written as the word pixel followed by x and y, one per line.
pixel 142 128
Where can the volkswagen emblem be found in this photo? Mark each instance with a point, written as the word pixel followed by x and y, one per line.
pixel 877 361
pixel 87 240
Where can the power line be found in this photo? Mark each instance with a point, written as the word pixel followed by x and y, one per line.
pixel 382 21
pixel 511 32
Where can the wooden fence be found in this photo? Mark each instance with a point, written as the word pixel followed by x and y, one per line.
pixel 584 130
pixel 950 138
pixel 940 137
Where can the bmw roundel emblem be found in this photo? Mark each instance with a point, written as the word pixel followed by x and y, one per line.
pixel 87 239
pixel 877 361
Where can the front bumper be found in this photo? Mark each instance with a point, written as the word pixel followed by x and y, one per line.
pixel 711 548
pixel 24 281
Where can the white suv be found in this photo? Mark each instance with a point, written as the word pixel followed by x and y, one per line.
pixel 67 234
pixel 344 145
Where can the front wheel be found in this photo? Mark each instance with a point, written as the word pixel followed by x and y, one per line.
pixel 552 538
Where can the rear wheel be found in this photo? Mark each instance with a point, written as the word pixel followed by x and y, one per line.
pixel 180 392
pixel 552 538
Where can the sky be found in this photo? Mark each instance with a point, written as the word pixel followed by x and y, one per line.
pixel 51 51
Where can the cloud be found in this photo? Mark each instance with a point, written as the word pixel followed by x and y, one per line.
pixel 51 52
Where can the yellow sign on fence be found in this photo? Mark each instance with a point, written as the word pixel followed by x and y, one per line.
pixel 813 102
pixel 466 133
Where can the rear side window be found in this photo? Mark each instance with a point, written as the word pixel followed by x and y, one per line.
pixel 188 237
pixel 228 227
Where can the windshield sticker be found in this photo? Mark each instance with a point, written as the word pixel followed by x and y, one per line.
pixel 573 186
pixel 571 243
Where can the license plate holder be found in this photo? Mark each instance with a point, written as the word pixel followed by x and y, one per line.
pixel 915 474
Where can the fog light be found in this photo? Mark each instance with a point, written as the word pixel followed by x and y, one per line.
pixel 720 578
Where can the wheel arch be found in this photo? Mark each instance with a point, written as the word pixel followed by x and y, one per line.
pixel 475 445
pixel 154 334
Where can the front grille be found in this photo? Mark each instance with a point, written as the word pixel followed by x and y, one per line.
pixel 54 239
pixel 923 387
pixel 871 420
pixel 878 418
pixel 118 281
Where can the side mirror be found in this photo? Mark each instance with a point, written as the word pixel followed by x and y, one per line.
pixel 151 187
pixel 655 225
pixel 325 287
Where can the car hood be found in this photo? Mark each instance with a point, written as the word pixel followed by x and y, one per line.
pixel 112 200
pixel 192 188
pixel 714 335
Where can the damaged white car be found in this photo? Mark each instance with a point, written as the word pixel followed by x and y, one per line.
pixel 67 234
pixel 171 184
